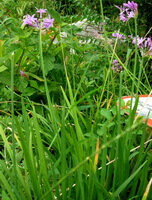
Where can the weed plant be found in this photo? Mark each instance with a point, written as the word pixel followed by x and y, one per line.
pixel 63 132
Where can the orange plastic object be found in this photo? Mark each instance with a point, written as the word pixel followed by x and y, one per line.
pixel 144 107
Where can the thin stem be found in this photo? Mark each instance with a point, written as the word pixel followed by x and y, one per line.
pixel 43 70
pixel 135 60
pixel 12 112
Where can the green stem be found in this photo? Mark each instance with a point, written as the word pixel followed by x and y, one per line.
pixel 135 60
pixel 43 70
pixel 12 112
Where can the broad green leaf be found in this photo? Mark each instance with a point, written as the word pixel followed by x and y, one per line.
pixel 3 68
pixel 34 84
pixel 17 55
pixel 21 83
pixel 12 47
pixel 54 14
pixel 5 77
pixel 48 63
pixel 29 91
pixel 106 113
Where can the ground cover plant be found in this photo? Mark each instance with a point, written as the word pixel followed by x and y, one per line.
pixel 64 133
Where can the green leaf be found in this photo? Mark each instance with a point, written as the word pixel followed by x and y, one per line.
pixel 34 84
pixel 123 186
pixel 106 113
pixel 18 31
pixel 12 47
pixel 3 68
pixel 48 63
pixel 17 55
pixel 5 77
pixel 54 14
pixel 6 184
pixel 4 196
pixel 121 102
pixel 1 13
pixel 101 131
pixel 34 76
pixel 29 91
pixel 21 83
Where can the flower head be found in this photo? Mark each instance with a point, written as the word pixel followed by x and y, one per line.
pixel 115 62
pixel 119 36
pixel 148 44
pixel 41 11
pixel 22 73
pixel 41 23
pixel 144 44
pixel 47 23
pixel 116 67
pixel 131 5
pixel 128 10
pixel 139 41
pixel 30 20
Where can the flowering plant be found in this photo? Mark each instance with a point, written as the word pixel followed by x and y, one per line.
pixel 145 44
pixel 41 23
pixel 128 10
pixel 118 35
pixel 116 67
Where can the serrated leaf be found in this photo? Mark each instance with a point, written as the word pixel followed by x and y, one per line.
pixel 21 83
pixel 101 131
pixel 34 84
pixel 12 48
pixel 29 91
pixel 106 113
pixel 18 31
pixel 18 54
pixel 5 77
pixel 48 63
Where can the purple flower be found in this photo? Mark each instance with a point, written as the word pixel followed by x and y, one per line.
pixel 115 62
pixel 139 41
pixel 145 44
pixel 119 36
pixel 22 73
pixel 148 44
pixel 131 5
pixel 116 67
pixel 47 23
pixel 41 11
pixel 122 17
pixel 41 23
pixel 128 10
pixel 131 14
pixel 30 20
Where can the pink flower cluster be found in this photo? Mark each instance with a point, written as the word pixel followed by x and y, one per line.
pixel 116 66
pixel 119 36
pixel 128 10
pixel 22 73
pixel 143 42
pixel 42 23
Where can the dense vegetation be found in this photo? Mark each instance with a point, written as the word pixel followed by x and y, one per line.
pixel 64 133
